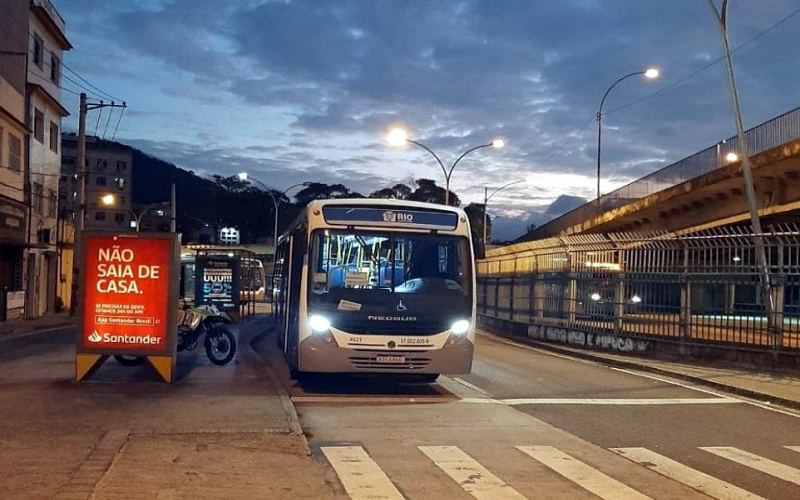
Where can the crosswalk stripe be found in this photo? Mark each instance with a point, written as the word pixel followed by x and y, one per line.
pixel 692 478
pixel 474 478
pixel 793 448
pixel 756 462
pixel 359 474
pixel 581 474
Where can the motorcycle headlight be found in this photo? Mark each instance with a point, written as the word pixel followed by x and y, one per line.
pixel 319 324
pixel 460 327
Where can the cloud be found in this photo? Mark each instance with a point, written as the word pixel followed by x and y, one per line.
pixel 308 88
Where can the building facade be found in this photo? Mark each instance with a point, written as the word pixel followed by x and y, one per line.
pixel 46 42
pixel 108 183
pixel 13 160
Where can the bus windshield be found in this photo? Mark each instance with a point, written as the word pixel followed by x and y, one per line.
pixel 358 263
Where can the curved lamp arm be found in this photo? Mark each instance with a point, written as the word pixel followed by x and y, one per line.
pixel 448 174
pixel 600 110
pixel 429 150
pixel 502 188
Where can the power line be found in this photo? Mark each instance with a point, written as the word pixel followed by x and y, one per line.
pixel 111 112
pixel 674 84
pixel 114 135
pixel 571 137
pixel 90 84
pixel 97 123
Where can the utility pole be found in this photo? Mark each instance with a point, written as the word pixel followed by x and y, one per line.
pixel 721 17
pixel 83 172
pixel 173 216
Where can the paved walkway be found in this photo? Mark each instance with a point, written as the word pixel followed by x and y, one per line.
pixel 217 432
pixel 778 387
pixel 49 322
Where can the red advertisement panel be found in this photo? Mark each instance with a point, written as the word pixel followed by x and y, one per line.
pixel 126 293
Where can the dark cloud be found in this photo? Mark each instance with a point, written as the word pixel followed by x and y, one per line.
pixel 330 77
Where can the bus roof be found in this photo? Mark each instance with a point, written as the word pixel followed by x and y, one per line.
pixel 385 202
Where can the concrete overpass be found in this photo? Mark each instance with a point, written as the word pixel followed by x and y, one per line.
pixel 700 191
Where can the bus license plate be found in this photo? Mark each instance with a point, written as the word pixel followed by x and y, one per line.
pixel 391 359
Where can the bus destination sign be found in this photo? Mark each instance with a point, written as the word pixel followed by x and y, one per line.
pixel 385 217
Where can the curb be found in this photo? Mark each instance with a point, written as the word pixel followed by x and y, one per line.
pixel 286 401
pixel 732 389
pixel 4 337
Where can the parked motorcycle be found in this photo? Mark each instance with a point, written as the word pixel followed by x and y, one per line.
pixel 220 343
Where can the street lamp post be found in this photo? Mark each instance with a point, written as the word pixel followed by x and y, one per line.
pixel 275 201
pixel 721 17
pixel 650 73
pixel 398 137
pixel 487 197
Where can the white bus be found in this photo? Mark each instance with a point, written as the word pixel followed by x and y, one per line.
pixel 376 286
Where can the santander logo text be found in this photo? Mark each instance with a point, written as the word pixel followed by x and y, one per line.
pixel 108 338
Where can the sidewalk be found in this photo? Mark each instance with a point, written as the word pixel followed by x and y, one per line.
pixel 778 387
pixel 216 432
pixel 21 327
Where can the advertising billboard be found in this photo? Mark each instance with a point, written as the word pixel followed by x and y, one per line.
pixel 129 294
pixel 217 282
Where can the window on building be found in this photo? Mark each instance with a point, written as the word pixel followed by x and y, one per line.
pixel 101 165
pixel 38 194
pixel 55 69
pixel 119 217
pixel 100 180
pixel 14 152
pixel 52 207
pixel 54 137
pixel 2 142
pixel 38 126
pixel 122 166
pixel 38 50
pixel 100 216
pixel 68 160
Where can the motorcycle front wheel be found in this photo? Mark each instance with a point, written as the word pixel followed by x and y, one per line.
pixel 220 345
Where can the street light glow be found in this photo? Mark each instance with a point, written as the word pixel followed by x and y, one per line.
pixel 242 176
pixel 732 157
pixel 107 200
pixel 397 137
pixel 498 143
pixel 652 73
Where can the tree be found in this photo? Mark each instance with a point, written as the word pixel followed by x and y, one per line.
pixel 320 191
pixel 396 192
pixel 475 214
pixel 427 191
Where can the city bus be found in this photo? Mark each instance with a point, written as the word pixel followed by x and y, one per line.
pixel 376 286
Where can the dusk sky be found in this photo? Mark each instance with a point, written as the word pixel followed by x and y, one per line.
pixel 306 90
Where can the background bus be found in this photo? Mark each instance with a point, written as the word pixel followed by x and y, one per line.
pixel 376 286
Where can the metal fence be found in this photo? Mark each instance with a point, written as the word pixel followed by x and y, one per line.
pixel 768 135
pixel 701 288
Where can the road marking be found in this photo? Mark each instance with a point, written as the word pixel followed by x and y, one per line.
pixel 474 478
pixel 359 474
pixel 692 478
pixel 373 399
pixel 793 448
pixel 471 386
pixel 621 401
pixel 756 462
pixel 583 475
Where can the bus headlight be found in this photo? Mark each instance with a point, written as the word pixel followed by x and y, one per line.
pixel 460 327
pixel 319 324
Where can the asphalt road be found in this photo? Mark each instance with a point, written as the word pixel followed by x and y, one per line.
pixel 530 424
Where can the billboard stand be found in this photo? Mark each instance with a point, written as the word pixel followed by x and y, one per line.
pixel 128 300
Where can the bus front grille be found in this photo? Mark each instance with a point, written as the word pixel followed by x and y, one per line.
pixel 371 361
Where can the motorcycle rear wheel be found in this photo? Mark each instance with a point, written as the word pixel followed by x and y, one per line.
pixel 126 360
pixel 220 345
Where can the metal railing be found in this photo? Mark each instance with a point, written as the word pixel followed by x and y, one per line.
pixel 695 289
pixel 768 135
